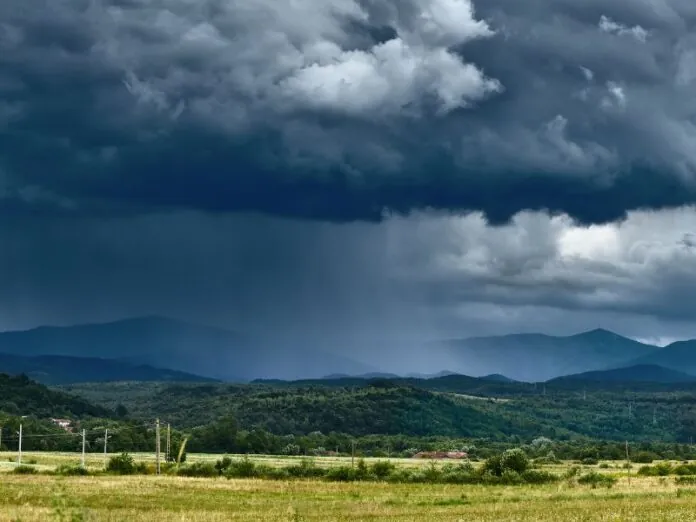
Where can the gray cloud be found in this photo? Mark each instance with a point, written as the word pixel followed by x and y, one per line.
pixel 305 171
pixel 370 289
pixel 339 110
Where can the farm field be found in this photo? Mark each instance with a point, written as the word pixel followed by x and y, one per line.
pixel 46 461
pixel 139 498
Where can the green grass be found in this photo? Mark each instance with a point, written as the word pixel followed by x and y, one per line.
pixel 40 498
pixel 140 498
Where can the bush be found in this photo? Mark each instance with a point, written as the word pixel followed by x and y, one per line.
pixel 686 480
pixel 124 464
pixel 71 470
pixel 243 468
pixel 571 472
pixel 342 474
pixel 199 469
pixel 222 465
pixel 659 470
pixel 589 461
pixel 510 478
pixel 305 469
pixel 532 476
pixel 25 470
pixel 382 469
pixel 685 469
pixel 644 457
pixel 595 479
pixel 493 466
pixel 514 460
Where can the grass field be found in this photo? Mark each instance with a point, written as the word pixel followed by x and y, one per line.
pixel 140 498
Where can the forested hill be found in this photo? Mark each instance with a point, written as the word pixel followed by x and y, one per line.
pixel 569 410
pixel 21 396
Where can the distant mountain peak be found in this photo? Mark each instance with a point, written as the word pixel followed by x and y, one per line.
pixel 599 333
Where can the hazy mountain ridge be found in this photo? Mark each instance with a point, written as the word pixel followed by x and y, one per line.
pixel 177 345
pixel 648 373
pixel 538 357
pixel 171 345
pixel 679 356
pixel 65 369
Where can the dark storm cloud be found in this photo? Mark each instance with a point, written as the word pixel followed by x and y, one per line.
pixel 347 110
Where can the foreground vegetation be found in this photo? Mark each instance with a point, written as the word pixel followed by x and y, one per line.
pixel 144 498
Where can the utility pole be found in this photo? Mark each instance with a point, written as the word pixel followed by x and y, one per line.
pixel 628 465
pixel 0 438
pixel 630 406
pixel 169 442
pixel 106 441
pixel 157 444
pixel 655 415
pixel 584 394
pixel 84 436
pixel 19 454
pixel 352 454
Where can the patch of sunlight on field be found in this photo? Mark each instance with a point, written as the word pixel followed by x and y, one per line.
pixel 146 498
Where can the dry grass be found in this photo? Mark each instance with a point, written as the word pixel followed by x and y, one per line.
pixel 140 498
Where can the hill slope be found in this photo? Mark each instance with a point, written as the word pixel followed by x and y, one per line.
pixel 176 345
pixel 22 396
pixel 638 373
pixel 679 356
pixel 536 357
pixel 62 369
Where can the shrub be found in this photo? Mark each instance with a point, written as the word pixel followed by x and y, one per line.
pixel 510 478
pixel 361 470
pixel 199 469
pixel 305 469
pixel 342 474
pixel 25 470
pixel 644 457
pixel 382 469
pixel 493 466
pixel 571 472
pixel 222 465
pixel 243 468
pixel 685 469
pixel 595 479
pixel 686 480
pixel 532 476
pixel 124 464
pixel 291 449
pixel 71 470
pixel 431 474
pixel 604 465
pixel 514 460
pixel 659 470
pixel 589 461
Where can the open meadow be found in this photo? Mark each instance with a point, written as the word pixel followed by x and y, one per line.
pixel 43 497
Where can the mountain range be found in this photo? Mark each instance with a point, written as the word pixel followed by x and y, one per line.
pixel 639 373
pixel 65 369
pixel 177 345
pixel 538 357
pixel 156 348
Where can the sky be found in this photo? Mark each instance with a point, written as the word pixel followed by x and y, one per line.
pixel 359 175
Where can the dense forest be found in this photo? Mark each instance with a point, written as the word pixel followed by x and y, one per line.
pixel 452 406
pixel 380 417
